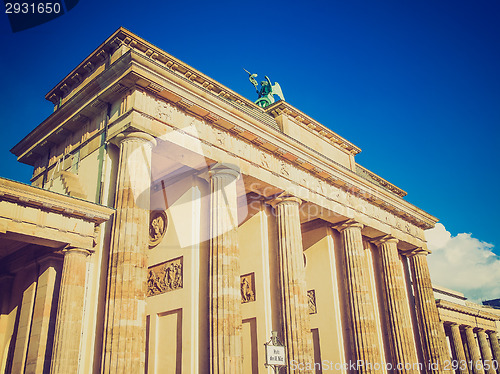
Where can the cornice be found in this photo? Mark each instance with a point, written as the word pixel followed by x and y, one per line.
pixel 367 174
pixel 72 114
pixel 444 304
pixel 23 194
pixel 85 68
pixel 448 292
pixel 312 125
pixel 123 37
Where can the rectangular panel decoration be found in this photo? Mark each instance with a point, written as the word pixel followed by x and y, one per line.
pixel 311 296
pixel 165 277
pixel 247 285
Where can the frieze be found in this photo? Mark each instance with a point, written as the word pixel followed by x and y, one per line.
pixel 247 286
pixel 163 111
pixel 268 159
pixel 165 277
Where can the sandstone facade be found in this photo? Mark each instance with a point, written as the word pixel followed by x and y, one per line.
pixel 172 224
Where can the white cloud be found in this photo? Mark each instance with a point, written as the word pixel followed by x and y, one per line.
pixel 464 264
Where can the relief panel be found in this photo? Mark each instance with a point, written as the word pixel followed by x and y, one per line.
pixel 311 298
pixel 247 285
pixel 165 277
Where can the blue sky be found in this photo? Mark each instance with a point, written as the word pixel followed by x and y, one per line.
pixel 416 85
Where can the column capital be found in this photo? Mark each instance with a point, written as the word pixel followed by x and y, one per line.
pixel 347 224
pixel 135 135
pixel 284 197
pixel 222 168
pixel 384 239
pixel 418 252
pixel 458 324
pixel 70 250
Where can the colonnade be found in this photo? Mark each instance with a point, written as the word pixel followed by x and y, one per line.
pixel 362 324
pixel 475 350
pixel 225 316
pixel 126 292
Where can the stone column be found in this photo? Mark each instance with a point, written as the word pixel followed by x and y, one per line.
pixel 125 332
pixel 24 320
pixel 433 339
pixel 225 296
pixel 458 347
pixel 364 342
pixel 495 347
pixel 484 344
pixel 6 281
pixel 294 302
pixel 397 312
pixel 68 330
pixel 44 314
pixel 477 365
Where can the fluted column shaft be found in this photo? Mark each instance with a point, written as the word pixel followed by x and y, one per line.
pixel 458 347
pixel 477 365
pixel 124 345
pixel 397 313
pixel 431 329
pixel 294 303
pixel 364 342
pixel 484 345
pixel 68 328
pixel 225 296
pixel 495 347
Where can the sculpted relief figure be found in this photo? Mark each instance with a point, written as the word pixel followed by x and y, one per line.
pixel 311 296
pixel 154 285
pixel 173 275
pixel 247 293
pixel 165 277
pixel 157 227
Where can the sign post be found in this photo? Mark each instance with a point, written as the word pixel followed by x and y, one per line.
pixel 275 353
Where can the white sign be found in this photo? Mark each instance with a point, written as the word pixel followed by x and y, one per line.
pixel 275 355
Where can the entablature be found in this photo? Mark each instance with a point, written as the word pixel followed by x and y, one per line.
pixel 31 215
pixel 452 313
pixel 466 310
pixel 124 38
pixel 137 72
pixel 24 195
